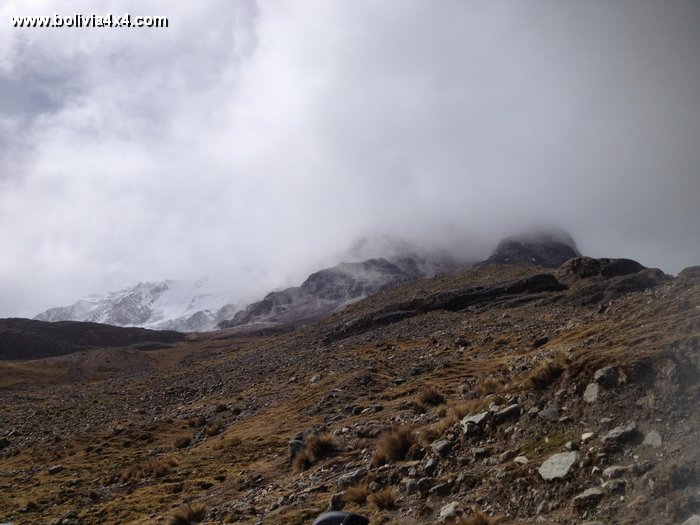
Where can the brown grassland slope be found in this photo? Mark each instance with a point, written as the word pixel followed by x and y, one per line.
pixel 427 403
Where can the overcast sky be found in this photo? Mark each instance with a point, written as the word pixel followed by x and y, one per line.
pixel 260 140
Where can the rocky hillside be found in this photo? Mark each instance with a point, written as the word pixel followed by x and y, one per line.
pixel 505 394
pixel 22 339
pixel 331 289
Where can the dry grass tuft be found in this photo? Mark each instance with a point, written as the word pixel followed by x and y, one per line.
pixel 356 494
pixel 546 373
pixel 435 431
pixel 489 386
pixel 394 445
pixel 478 518
pixel 194 513
pixel 148 469
pixel 384 499
pixel 317 447
pixel 215 428
pixel 461 409
pixel 183 442
pixel 227 443
pixel 429 395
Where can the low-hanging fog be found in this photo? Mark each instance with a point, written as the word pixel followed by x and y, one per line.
pixel 255 142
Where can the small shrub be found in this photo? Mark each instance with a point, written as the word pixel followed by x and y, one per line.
pixel 394 445
pixel 183 442
pixel 429 395
pixel 356 494
pixel 193 513
pixel 221 407
pixel 384 499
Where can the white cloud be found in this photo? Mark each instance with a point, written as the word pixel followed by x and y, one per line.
pixel 259 141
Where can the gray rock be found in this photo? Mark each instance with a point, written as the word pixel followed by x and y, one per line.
pixel 55 469
pixel 607 377
pixel 615 486
pixel 442 447
pixel 591 393
pixel 588 498
pixel 352 478
pixel 294 446
pixel 507 413
pixel 521 460
pixel 615 471
pixel 549 413
pixel 621 434
pixel 653 439
pixel 693 520
pixel 425 484
pixel 315 378
pixel 480 452
pixel 443 489
pixel 474 419
pixel 430 465
pixel 449 511
pixel 558 466
pixel 409 485
pixel 506 456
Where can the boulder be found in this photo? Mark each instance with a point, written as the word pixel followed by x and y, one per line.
pixel 621 434
pixel 558 466
pixel 590 395
pixel 588 498
pixel 607 377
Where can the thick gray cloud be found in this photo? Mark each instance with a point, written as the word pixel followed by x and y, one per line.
pixel 255 142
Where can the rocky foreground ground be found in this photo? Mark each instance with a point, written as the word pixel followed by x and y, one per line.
pixel 512 393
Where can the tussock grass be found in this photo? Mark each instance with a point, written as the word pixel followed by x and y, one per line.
pixel 478 518
pixel 148 469
pixel 394 445
pixel 215 428
pixel 317 447
pixel 384 499
pixel 227 443
pixel 546 373
pixel 356 494
pixel 183 442
pixel 193 513
pixel 431 396
pixel 489 386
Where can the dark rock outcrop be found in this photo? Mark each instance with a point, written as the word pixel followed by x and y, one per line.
pixel 510 293
pixel 589 268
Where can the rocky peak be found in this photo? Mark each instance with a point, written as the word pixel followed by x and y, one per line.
pixel 547 249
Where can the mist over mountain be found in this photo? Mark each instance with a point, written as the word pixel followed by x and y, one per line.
pixel 250 141
pixel 165 305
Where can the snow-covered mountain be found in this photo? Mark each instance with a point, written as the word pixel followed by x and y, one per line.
pixel 181 305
